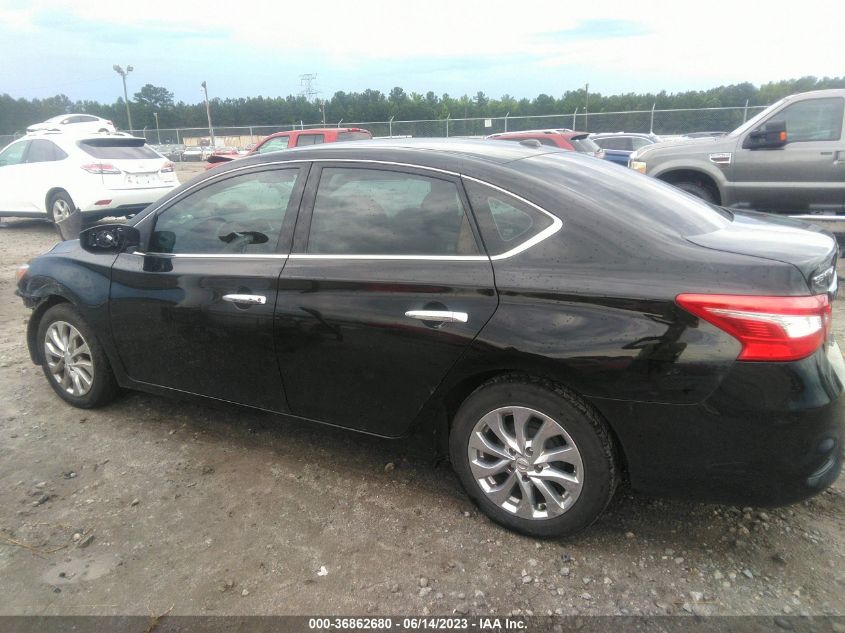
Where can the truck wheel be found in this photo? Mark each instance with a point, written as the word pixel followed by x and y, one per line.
pixel 697 190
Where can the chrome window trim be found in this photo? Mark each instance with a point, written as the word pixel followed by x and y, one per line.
pixel 556 225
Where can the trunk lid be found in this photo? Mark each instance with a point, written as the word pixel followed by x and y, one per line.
pixel 809 248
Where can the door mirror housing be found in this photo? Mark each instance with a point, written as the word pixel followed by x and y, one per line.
pixel 769 135
pixel 114 238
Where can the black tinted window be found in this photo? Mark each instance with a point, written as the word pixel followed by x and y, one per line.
pixel 117 148
pixel 584 144
pixel 310 139
pixel 611 142
pixel 243 214
pixel 353 136
pixel 505 221
pixel 813 120
pixel 43 151
pixel 380 212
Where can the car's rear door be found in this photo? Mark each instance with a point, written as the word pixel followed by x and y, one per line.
pixel 806 174
pixel 385 288
pixel 194 312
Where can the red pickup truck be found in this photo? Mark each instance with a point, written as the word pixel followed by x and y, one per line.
pixel 299 138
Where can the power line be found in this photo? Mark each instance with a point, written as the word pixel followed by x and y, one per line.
pixel 309 91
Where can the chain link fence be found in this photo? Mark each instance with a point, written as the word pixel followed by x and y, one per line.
pixel 661 122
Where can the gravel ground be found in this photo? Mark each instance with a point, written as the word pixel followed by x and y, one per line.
pixel 154 503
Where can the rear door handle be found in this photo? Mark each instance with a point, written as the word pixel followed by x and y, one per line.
pixel 442 316
pixel 246 299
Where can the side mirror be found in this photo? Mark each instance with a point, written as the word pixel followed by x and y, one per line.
pixel 771 134
pixel 115 238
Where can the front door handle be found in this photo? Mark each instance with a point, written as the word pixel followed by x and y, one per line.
pixel 246 299
pixel 839 158
pixel 441 316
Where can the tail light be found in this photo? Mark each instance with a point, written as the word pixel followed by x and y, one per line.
pixel 168 168
pixel 100 168
pixel 20 273
pixel 769 328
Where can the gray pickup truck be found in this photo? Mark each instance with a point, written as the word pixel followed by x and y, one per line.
pixel 790 158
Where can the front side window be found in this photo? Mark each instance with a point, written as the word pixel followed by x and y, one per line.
pixel 637 142
pixel 813 120
pixel 13 155
pixel 310 139
pixel 505 221
pixel 243 214
pixel 274 144
pixel 381 212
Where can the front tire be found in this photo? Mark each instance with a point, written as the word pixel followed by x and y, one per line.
pixel 533 456
pixel 699 191
pixel 60 206
pixel 73 359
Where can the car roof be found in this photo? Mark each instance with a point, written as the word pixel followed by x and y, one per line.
pixel 317 130
pixel 563 133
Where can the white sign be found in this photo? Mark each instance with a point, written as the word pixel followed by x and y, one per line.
pixel 488 122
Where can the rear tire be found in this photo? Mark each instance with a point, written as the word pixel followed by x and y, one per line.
pixel 73 359
pixel 699 191
pixel 60 206
pixel 552 478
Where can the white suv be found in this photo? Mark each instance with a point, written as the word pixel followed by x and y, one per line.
pixel 78 123
pixel 48 175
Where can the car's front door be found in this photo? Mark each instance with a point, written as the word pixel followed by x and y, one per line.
pixel 13 195
pixel 386 287
pixel 194 312
pixel 806 174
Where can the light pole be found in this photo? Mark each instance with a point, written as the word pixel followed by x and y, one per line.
pixel 587 108
pixel 158 131
pixel 208 113
pixel 123 74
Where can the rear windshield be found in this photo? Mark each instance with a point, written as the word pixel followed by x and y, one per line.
pixel 117 148
pixel 353 136
pixel 584 144
pixel 641 202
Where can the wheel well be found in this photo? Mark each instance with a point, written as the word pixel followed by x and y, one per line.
pixel 696 177
pixel 34 321
pixel 50 194
pixel 461 391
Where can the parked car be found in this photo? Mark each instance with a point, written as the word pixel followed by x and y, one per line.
pixel 74 123
pixel 49 175
pixel 788 158
pixel 195 153
pixel 298 138
pixel 546 320
pixel 618 146
pixel 564 139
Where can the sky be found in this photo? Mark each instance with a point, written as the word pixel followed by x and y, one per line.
pixel 250 47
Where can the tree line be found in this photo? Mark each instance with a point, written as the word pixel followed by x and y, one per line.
pixel 374 105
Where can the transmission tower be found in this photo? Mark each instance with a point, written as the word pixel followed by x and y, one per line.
pixel 306 81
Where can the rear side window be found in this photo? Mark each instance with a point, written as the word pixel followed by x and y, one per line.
pixel 117 149
pixel 41 151
pixel 310 139
pixel 353 136
pixel 813 120
pixel 620 143
pixel 584 144
pixel 505 221
pixel 380 212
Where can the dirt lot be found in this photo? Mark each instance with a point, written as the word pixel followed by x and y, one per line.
pixel 152 503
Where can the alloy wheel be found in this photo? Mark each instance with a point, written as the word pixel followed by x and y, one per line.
pixel 69 358
pixel 61 209
pixel 525 462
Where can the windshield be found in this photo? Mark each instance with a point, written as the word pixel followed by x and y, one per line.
pixel 754 121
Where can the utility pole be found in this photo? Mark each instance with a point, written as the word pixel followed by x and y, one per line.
pixel 123 74
pixel 208 114
pixel 587 109
pixel 158 131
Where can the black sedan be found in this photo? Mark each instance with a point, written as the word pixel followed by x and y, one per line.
pixel 549 321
